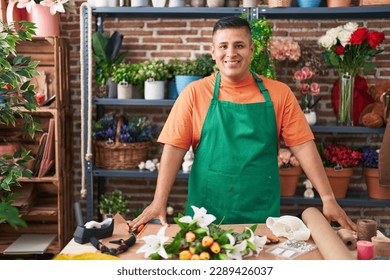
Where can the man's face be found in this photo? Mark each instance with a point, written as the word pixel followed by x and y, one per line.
pixel 232 51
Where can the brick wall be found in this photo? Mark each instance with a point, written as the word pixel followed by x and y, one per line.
pixel 187 38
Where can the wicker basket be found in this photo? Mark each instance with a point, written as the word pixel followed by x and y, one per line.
pixel 279 3
pixel 338 3
pixel 117 155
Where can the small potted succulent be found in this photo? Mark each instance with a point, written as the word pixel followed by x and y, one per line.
pixel 125 75
pixel 153 74
pixel 113 203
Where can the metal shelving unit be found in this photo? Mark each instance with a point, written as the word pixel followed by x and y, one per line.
pixel 100 14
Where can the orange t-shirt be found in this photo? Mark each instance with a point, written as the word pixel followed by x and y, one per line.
pixel 185 121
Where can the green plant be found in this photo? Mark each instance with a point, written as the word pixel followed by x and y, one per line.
pixel 113 203
pixel 106 55
pixel 15 92
pixel 205 65
pixel 188 67
pixel 154 69
pixel 126 72
pixel 261 36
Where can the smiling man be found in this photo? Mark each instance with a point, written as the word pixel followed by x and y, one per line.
pixel 233 120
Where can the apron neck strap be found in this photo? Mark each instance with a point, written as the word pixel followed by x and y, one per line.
pixel 259 82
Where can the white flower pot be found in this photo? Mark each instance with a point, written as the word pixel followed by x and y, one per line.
pixel 249 3
pixel 125 90
pixel 177 3
pixel 310 116
pixel 154 89
pixel 99 3
pixel 159 3
pixel 139 3
pixel 112 3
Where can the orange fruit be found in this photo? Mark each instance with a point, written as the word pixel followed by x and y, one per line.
pixel 207 241
pixel 195 257
pixel 185 255
pixel 204 256
pixel 215 247
pixel 190 236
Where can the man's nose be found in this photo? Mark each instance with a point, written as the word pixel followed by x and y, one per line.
pixel 230 52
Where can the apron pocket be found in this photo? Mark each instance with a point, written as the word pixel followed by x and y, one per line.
pixel 238 192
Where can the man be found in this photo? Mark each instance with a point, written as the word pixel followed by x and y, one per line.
pixel 233 119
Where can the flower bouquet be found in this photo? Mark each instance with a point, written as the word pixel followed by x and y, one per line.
pixel 200 239
pixel 305 83
pixel 285 50
pixel 350 49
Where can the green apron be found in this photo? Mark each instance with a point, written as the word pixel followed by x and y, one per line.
pixel 235 171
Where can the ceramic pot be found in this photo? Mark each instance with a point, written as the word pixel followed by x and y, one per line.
pixel 139 3
pixel 249 3
pixel 159 3
pixel 339 180
pixel 339 3
pixel 215 3
pixel 374 189
pixel 154 90
pixel 177 3
pixel 183 80
pixel 309 3
pixel 198 3
pixel 125 90
pixel 232 3
pixel 311 116
pixel 289 178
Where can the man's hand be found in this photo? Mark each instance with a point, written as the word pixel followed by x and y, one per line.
pixel 333 212
pixel 153 211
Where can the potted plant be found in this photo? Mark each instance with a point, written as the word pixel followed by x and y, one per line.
pixel 106 55
pixel 15 88
pixel 125 75
pixel 371 174
pixel 153 74
pixel 123 142
pixel 289 172
pixel 113 203
pixel 339 161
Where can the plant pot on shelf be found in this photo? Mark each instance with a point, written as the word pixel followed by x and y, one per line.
pixel 338 3
pixel 249 3
pixel 139 3
pixel 154 90
pixel 374 189
pixel 279 3
pixel 311 116
pixel 309 3
pixel 215 3
pixel 289 178
pixel 183 80
pixel 176 3
pixel 159 3
pixel 339 180
pixel 125 90
pixel 198 3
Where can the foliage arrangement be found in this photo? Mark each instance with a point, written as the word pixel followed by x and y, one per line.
pixel 339 156
pixel 106 55
pixel 200 239
pixel 370 157
pixel 133 129
pixel 286 159
pixel 307 87
pixel 203 65
pixel 15 89
pixel 261 62
pixel 154 69
pixel 126 72
pixel 113 203
pixel 350 48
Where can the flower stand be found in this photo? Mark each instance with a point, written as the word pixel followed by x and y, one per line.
pixel 371 176
pixel 289 178
pixel 339 180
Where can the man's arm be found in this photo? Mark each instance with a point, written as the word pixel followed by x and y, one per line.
pixel 170 163
pixel 310 161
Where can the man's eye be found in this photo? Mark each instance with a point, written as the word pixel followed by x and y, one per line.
pixel 239 46
pixel 223 47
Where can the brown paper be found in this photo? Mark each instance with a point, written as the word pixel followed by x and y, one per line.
pixel 329 244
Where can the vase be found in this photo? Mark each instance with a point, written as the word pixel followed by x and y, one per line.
pixel 339 179
pixel 154 90
pixel 46 23
pixel 311 116
pixel 345 113
pixel 249 3
pixel 289 178
pixel 338 3
pixel 374 189
pixel 125 90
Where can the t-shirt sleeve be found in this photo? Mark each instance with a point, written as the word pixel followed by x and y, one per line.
pixel 295 129
pixel 177 130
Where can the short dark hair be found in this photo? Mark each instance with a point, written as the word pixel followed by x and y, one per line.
pixel 231 22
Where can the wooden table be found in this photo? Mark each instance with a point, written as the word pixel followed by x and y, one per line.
pixel 120 231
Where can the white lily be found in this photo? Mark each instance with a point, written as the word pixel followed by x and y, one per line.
pixel 200 217
pixel 257 241
pixel 236 252
pixel 155 244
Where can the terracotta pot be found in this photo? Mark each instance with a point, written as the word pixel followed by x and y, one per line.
pixel 339 3
pixel 371 176
pixel 339 180
pixel 289 178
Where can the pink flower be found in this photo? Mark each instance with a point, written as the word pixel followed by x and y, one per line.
pixel 286 159
pixel 304 83
pixel 285 49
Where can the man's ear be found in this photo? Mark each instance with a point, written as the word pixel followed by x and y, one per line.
pixel 212 52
